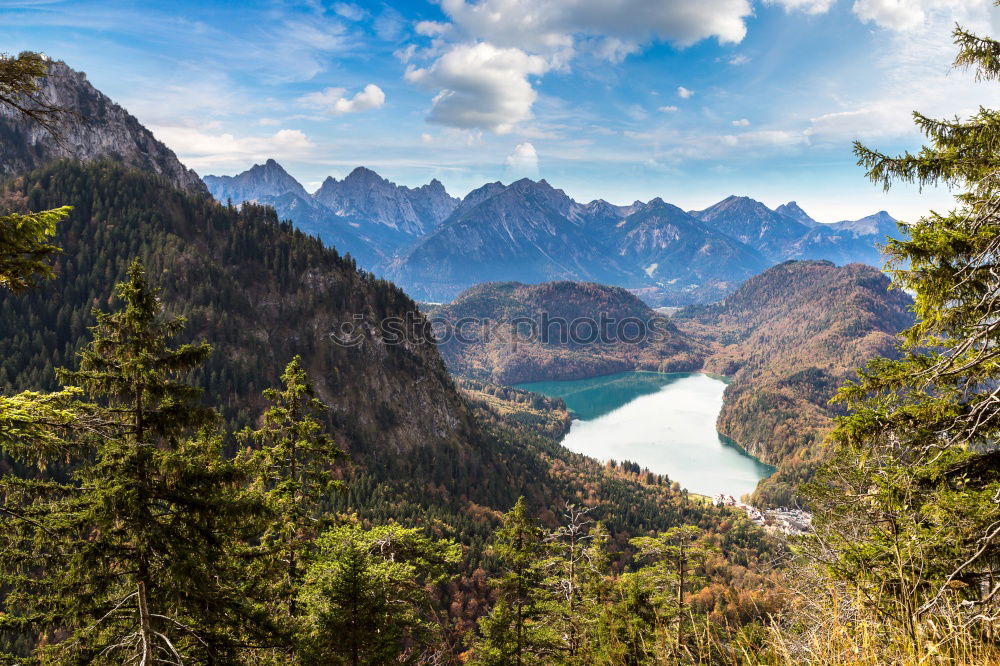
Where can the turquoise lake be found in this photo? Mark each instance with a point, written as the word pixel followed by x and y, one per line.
pixel 665 422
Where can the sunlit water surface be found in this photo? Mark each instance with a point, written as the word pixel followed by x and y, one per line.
pixel 665 422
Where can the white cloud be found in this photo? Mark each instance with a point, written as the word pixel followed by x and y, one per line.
pixel 742 122
pixel 553 25
pixel 349 11
pixel 198 148
pixel 405 55
pixel 389 25
pixel 684 93
pixel 488 48
pixel 739 59
pixel 668 109
pixel 431 28
pixel 807 6
pixel 524 160
pixel 334 101
pixel 903 15
pixel 426 138
pixel 480 86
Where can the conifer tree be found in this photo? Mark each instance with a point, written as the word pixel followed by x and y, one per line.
pixel 293 466
pixel 24 236
pixel 517 630
pixel 130 559
pixel 906 511
pixel 675 555
pixel 367 596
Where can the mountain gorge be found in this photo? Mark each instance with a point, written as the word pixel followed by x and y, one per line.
pixel 436 246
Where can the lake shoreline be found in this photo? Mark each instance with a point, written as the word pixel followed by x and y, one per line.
pixel 666 422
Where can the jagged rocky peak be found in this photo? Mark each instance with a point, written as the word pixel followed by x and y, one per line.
pixel 259 183
pixel 794 211
pixel 96 129
pixel 479 195
pixel 367 195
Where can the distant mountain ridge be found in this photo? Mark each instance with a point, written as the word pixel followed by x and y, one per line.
pixel 94 129
pixel 435 246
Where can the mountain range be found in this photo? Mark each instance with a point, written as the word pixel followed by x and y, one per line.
pixel 435 246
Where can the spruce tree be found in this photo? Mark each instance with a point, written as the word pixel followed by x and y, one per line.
pixel 517 631
pixel 367 596
pixel 130 559
pixel 675 556
pixel 293 466
pixel 25 249
pixel 906 512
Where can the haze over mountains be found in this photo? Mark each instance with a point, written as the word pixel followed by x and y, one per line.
pixel 435 245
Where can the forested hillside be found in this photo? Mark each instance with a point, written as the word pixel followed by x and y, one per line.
pixel 508 332
pixel 789 338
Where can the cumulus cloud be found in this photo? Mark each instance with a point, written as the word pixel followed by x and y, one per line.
pixel 335 102
pixel 524 160
pixel 543 27
pixel 742 122
pixel 197 147
pixel 480 86
pixel 807 6
pixel 487 49
pixel 739 59
pixel 668 109
pixel 684 93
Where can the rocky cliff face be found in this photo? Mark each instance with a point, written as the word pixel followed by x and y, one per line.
pixel 260 183
pixel 96 129
pixel 366 195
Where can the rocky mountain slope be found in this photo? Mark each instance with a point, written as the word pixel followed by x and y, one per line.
pixel 508 332
pixel 94 129
pixel 366 195
pixel 751 222
pixel 435 246
pixel 363 215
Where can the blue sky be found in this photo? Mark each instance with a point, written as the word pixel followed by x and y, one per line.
pixel 689 100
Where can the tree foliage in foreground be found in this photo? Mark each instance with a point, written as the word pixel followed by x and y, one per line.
pixel 132 559
pixel 907 513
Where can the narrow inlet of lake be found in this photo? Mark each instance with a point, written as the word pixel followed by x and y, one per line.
pixel 665 422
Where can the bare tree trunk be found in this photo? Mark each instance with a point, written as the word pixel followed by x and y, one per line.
pixel 680 599
pixel 145 630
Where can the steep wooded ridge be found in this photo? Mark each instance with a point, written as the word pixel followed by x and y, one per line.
pixel 509 332
pixel 95 128
pixel 789 338
pixel 435 246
